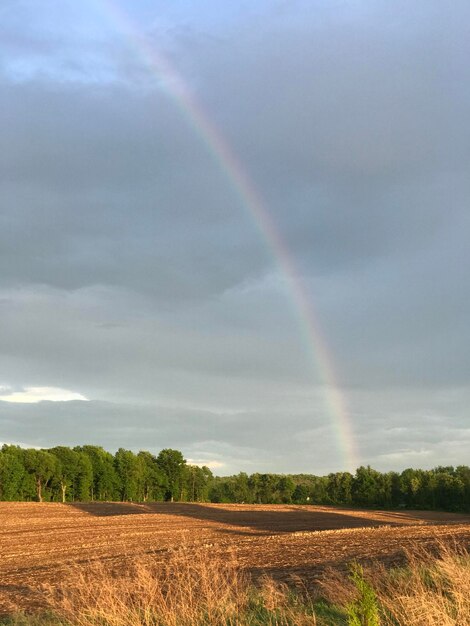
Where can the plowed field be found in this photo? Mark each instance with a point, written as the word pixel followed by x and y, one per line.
pixel 41 543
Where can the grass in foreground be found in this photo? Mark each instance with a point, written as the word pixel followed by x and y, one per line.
pixel 190 589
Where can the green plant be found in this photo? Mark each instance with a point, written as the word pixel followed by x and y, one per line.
pixel 364 610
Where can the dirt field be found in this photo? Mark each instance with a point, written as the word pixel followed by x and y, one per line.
pixel 42 543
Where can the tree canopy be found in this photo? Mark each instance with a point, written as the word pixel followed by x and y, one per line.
pixel 87 473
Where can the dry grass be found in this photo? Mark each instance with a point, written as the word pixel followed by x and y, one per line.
pixel 431 589
pixel 191 588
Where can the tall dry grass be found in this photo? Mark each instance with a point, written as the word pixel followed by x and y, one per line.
pixel 190 588
pixel 195 588
pixel 432 588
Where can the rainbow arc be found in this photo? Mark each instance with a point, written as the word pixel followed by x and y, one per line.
pixel 254 204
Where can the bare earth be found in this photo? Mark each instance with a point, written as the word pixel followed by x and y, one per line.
pixel 42 543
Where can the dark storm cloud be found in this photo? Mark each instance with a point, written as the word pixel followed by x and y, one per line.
pixel 367 174
pixel 110 187
pixel 131 272
pixel 355 125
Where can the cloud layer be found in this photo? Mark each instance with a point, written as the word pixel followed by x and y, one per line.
pixel 134 274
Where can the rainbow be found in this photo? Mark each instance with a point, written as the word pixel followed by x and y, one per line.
pixel 251 200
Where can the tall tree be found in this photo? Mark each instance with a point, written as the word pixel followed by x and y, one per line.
pixel 105 480
pixel 152 481
pixel 462 472
pixel 241 488
pixel 301 494
pixel 285 489
pixel 197 483
pixel 339 487
pixel 83 482
pixel 365 487
pixel 128 470
pixel 12 473
pixel 41 465
pixel 66 468
pixel 172 464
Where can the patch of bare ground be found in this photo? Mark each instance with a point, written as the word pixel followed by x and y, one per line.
pixel 45 543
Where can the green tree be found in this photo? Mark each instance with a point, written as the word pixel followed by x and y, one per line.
pixel 83 482
pixel 462 472
pixel 254 483
pixel 12 473
pixel 267 488
pixel 301 494
pixel 318 490
pixel 105 480
pixel 128 470
pixel 411 487
pixel 152 481
pixel 366 487
pixel 395 490
pixel 198 480
pixel 172 464
pixel 41 465
pixel 66 468
pixel 339 488
pixel 217 492
pixel 241 488
pixel 285 489
pixel 449 491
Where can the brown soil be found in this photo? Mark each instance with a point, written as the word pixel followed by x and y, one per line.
pixel 43 543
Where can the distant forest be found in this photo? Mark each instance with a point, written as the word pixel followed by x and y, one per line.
pixel 88 473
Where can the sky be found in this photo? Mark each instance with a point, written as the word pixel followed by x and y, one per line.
pixel 240 230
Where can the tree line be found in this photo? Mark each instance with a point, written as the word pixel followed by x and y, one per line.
pixel 441 488
pixel 87 473
pixel 90 473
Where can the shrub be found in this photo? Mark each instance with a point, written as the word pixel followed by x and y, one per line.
pixel 364 610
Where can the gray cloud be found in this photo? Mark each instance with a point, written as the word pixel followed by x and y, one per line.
pixel 132 272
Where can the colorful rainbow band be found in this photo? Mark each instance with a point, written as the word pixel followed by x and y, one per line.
pixel 251 201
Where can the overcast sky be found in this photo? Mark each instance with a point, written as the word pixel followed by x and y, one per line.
pixel 142 303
